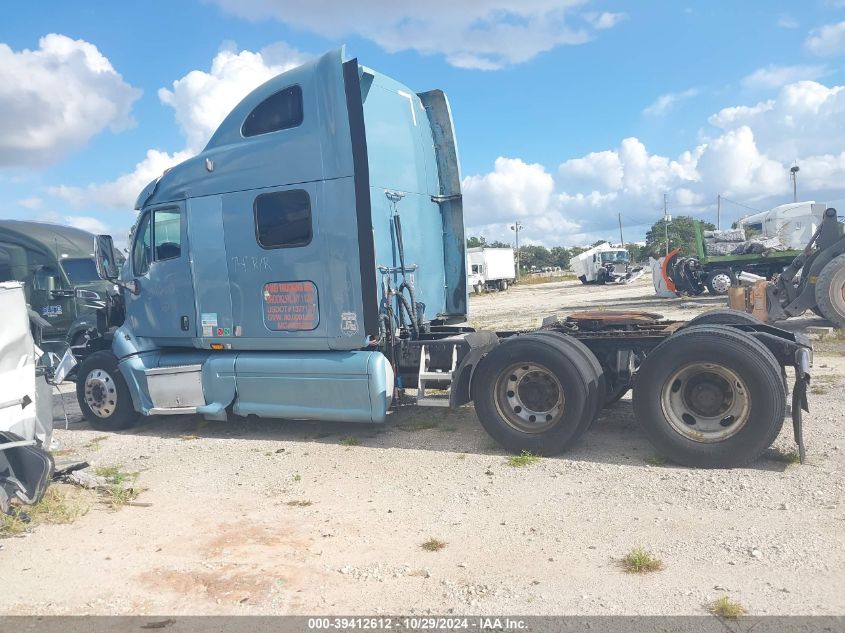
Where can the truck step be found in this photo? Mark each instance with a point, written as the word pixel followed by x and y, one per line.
pixel 433 401
pixel 426 375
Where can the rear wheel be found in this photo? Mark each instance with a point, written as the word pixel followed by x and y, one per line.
pixel 710 396
pixel 725 316
pixel 720 281
pixel 103 395
pixel 531 393
pixel 503 285
pixel 583 279
pixel 830 291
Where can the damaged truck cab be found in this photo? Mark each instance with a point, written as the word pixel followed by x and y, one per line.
pixel 310 263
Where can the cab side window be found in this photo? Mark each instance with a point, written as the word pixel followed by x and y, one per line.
pixel 141 247
pixel 167 232
pixel 283 219
pixel 279 111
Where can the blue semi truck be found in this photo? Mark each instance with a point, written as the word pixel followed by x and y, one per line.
pixel 310 263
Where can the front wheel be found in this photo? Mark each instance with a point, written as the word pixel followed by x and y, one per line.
pixel 103 395
pixel 710 396
pixel 720 281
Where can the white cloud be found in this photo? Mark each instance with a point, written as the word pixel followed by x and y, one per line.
pixel 746 156
pixel 666 102
pixel 605 20
pixel 786 21
pixel 201 100
pixel 54 99
pixel 827 41
pixel 773 76
pixel 122 192
pixel 482 34
pixel 34 203
pixel 86 223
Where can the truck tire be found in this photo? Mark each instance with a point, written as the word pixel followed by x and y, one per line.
pixel 719 281
pixel 583 279
pixel 103 395
pixel 725 316
pixel 503 285
pixel 478 288
pixel 710 396
pixel 830 291
pixel 531 394
pixel 590 367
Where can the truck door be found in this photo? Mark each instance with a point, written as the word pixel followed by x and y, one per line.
pixel 53 300
pixel 163 307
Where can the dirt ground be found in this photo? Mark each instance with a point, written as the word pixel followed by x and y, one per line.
pixel 278 517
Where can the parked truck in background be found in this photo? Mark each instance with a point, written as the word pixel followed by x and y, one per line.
pixel 786 229
pixel 56 265
pixel 319 269
pixel 490 268
pixel 603 264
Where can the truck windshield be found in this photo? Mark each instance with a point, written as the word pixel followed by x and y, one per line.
pixel 614 257
pixel 80 271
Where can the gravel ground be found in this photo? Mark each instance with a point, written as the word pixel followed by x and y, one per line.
pixel 274 517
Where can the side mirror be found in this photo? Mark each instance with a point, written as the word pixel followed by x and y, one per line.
pixel 104 257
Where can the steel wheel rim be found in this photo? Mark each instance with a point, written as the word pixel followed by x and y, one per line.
pixel 100 393
pixel 721 283
pixel 706 402
pixel 529 397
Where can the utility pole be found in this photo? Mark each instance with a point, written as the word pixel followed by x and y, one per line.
pixel 516 227
pixel 666 219
pixel 621 239
pixel 718 212
pixel 794 172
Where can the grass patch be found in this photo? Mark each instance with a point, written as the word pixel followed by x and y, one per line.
pixel 299 503
pixel 188 438
pixel 433 545
pixel 656 460
pixel 63 452
pixel 726 608
pixel 418 425
pixel 525 458
pixel 784 457
pixel 297 477
pixel 533 281
pixel 57 506
pixel 350 441
pixel 639 561
pixel 94 444
pixel 120 486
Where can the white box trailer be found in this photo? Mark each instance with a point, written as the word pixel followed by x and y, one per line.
pixel 490 268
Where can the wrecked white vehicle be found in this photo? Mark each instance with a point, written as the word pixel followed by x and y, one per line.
pixel 26 403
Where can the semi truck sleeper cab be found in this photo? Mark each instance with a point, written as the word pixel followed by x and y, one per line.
pixel 311 261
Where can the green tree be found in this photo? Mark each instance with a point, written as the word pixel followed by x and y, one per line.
pixel 560 256
pixel 681 235
pixel 535 256
pixel 475 242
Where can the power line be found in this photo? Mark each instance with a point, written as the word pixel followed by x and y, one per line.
pixel 740 204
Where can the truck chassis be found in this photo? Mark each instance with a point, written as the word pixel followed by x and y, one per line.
pixel 710 392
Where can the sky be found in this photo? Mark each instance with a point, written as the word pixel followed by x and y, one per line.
pixel 568 112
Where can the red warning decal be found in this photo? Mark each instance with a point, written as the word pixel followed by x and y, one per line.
pixel 291 305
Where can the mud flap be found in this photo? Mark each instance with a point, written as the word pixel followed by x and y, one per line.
pixel 799 399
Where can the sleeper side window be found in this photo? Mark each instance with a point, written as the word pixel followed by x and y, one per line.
pixel 279 111
pixel 141 250
pixel 167 231
pixel 283 219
